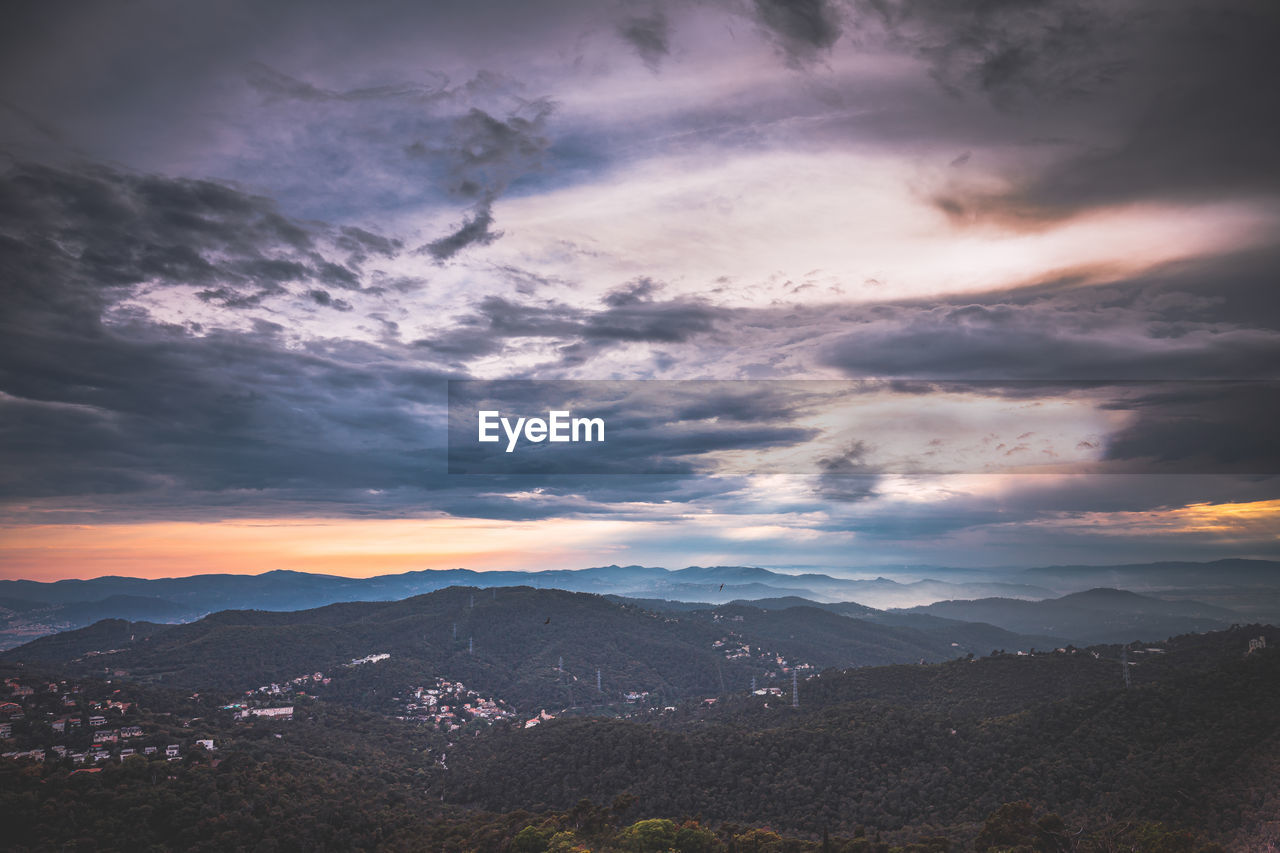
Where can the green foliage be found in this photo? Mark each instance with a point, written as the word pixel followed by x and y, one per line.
pixel 759 841
pixel 1040 754
pixel 1164 751
pixel 693 838
pixel 648 836
pixel 532 839
pixel 1011 829
pixel 566 842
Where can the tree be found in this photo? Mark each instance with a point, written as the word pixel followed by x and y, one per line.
pixel 532 839
pixel 565 842
pixel 644 836
pixel 692 837
pixel 1009 828
pixel 759 841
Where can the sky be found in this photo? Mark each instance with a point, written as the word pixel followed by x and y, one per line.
pixel 969 283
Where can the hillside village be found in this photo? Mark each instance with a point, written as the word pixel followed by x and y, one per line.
pixel 438 702
pixel 53 721
pixel 735 648
pixel 96 722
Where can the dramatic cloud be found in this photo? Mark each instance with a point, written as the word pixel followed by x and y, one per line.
pixel 803 28
pixel 147 404
pixel 1012 52
pixel 1144 329
pixel 1044 233
pixel 477 230
pixel 629 316
pixel 1163 96
pixel 484 155
pixel 649 36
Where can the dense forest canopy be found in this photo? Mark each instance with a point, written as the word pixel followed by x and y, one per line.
pixel 500 738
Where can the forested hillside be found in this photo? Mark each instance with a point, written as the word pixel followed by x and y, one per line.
pixel 938 748
pixel 533 648
pixel 374 717
pixel 1093 616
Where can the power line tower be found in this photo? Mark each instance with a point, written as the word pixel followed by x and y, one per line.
pixel 598 687
pixel 753 684
pixel 1124 665
pixel 471 645
pixel 795 689
pixel 473 600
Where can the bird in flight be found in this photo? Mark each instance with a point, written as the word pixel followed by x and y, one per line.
pixel 722 587
pixel 548 622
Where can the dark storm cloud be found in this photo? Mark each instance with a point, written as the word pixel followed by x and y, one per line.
pixel 1202 426
pixel 632 293
pixel 165 419
pixel 673 321
pixel 1169 324
pixel 802 29
pixel 110 229
pixel 483 155
pixel 629 316
pixel 323 297
pixel 1165 96
pixel 849 476
pixel 211 414
pixel 649 35
pixel 1012 52
pixel 1115 103
pixel 361 243
pixel 144 403
pixel 487 153
pixel 475 231
pixel 1203 131
pixel 436 143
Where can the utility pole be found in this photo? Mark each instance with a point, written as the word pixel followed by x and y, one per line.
pixel 753 684
pixel 598 689
pixel 455 630
pixel 795 689
pixel 1124 665
pixel 471 645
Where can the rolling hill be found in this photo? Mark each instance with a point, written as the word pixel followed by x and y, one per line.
pixel 508 642
pixel 1093 616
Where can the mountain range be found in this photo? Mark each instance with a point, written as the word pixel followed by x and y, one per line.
pixel 1232 591
pixel 1094 616
pixel 288 590
pixel 533 647
pixel 657 708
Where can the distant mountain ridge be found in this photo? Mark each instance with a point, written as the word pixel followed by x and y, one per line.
pixel 289 590
pixel 1166 575
pixel 533 647
pixel 36 608
pixel 22 620
pixel 1100 615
